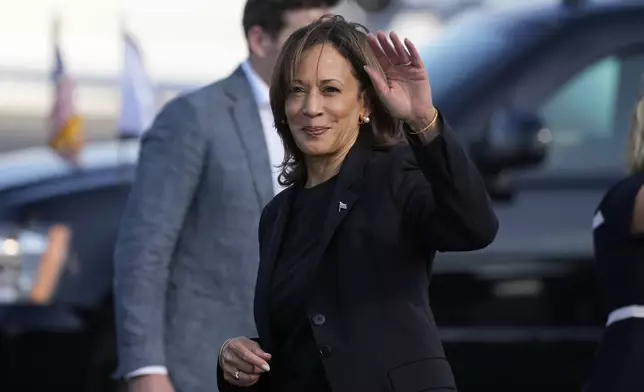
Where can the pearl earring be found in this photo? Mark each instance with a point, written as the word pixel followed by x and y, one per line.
pixel 366 120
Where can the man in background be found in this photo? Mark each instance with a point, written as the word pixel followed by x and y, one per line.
pixel 187 254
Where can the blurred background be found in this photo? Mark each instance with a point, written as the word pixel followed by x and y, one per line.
pixel 540 92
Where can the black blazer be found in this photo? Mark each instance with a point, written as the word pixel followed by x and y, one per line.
pixel 390 212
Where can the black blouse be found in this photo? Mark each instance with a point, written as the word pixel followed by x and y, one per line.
pixel 296 366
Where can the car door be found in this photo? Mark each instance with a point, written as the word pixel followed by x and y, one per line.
pixel 535 287
pixel 92 211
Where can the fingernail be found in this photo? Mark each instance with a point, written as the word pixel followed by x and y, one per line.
pixel 266 368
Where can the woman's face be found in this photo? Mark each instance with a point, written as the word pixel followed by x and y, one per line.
pixel 324 105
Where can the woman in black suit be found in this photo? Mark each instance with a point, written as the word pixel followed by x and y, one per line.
pixel 619 250
pixel 377 184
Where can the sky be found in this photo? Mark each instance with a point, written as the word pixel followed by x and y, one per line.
pixel 186 40
pixel 189 42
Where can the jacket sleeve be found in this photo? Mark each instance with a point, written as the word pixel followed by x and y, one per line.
pixel 442 196
pixel 170 165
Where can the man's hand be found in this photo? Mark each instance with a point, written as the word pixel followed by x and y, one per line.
pixel 150 383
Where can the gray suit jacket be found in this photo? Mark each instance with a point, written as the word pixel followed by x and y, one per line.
pixel 187 252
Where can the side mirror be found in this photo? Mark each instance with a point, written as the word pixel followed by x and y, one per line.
pixel 31 262
pixel 513 140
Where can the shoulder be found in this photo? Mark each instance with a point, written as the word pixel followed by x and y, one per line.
pixel 396 157
pixel 624 190
pixel 193 110
pixel 271 210
pixel 204 98
pixel 209 97
pixel 394 165
pixel 622 204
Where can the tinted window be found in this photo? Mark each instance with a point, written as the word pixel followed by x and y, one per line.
pixel 588 116
pixel 472 45
pixel 94 217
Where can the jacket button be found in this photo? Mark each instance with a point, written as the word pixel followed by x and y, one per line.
pixel 325 351
pixel 319 319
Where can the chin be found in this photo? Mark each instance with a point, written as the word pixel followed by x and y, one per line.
pixel 313 147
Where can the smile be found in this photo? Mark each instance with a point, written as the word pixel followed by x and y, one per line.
pixel 314 131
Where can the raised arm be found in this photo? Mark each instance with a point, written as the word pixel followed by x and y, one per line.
pixel 442 194
pixel 454 212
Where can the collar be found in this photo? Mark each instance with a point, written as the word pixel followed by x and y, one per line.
pixel 258 85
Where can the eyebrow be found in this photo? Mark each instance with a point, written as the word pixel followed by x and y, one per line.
pixel 321 81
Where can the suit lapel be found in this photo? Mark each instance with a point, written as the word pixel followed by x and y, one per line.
pixel 251 133
pixel 345 195
pixel 266 267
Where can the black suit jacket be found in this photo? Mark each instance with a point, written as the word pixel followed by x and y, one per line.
pixel 390 212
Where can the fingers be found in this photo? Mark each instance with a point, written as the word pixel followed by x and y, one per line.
pixel 239 378
pixel 377 50
pixel 396 54
pixel 243 361
pixel 401 51
pixel 378 81
pixel 389 50
pixel 252 357
pixel 247 352
pixel 255 349
pixel 415 58
pixel 234 363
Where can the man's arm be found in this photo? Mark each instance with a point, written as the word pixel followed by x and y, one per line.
pixel 170 166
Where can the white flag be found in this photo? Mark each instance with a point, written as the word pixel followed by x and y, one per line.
pixel 138 106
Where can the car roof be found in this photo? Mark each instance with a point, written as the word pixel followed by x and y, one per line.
pixel 36 164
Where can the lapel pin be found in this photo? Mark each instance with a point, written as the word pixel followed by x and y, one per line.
pixel 342 206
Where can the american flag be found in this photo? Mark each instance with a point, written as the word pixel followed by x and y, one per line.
pixel 65 125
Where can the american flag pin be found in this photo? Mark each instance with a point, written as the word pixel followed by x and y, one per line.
pixel 342 206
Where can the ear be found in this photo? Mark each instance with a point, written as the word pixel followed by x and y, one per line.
pixel 257 41
pixel 366 105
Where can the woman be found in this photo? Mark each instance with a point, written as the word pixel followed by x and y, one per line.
pixel 341 301
pixel 619 250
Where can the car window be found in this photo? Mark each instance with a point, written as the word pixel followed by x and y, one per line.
pixel 93 217
pixel 472 43
pixel 588 116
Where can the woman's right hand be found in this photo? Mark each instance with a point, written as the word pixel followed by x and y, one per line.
pixel 243 361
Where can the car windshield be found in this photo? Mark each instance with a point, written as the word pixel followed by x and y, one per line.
pixel 468 45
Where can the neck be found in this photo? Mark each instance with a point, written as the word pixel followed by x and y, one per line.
pixel 322 168
pixel 259 68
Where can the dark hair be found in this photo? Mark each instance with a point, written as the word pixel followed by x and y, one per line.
pixel 350 40
pixel 269 14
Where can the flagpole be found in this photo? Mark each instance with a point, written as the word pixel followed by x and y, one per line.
pixel 121 31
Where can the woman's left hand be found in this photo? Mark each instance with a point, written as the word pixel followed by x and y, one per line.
pixel 405 92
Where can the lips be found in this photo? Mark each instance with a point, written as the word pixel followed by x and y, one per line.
pixel 314 131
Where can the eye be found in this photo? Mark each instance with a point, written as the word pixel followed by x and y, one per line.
pixel 330 90
pixel 296 90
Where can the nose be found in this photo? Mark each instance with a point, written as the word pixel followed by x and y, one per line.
pixel 312 105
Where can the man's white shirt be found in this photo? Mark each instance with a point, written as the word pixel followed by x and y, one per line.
pixel 273 142
pixel 275 150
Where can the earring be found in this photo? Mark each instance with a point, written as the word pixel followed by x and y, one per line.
pixel 363 120
pixel 366 119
